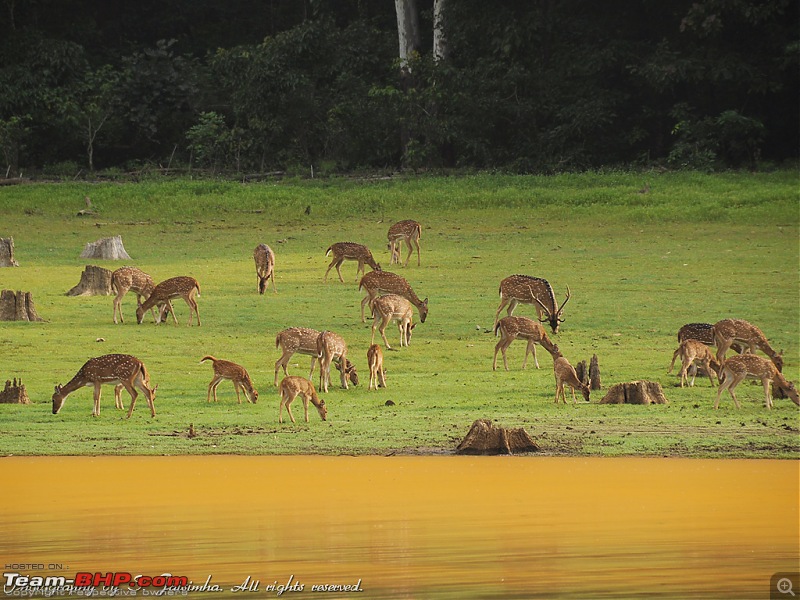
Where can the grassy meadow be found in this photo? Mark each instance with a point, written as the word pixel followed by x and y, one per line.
pixel 640 264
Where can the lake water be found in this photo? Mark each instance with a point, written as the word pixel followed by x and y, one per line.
pixel 409 527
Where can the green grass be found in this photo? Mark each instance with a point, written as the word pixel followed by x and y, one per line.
pixel 694 248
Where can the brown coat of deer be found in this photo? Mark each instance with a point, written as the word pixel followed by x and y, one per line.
pixel 565 375
pixel 167 290
pixel 407 231
pixel 376 283
pixel 391 307
pixel 728 331
pixel 127 279
pixel 350 251
pixel 737 368
pixel 524 289
pixel 702 332
pixel 694 352
pixel 264 258
pixel 225 369
pixel 511 328
pixel 377 376
pixel 293 386
pixel 331 348
pixel 300 340
pixel 124 369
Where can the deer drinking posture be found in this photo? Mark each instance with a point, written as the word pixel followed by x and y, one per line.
pixel 738 368
pixel 127 279
pixel 164 292
pixel 124 369
pixel 404 231
pixel 376 283
pixel 377 377
pixel 511 328
pixel 388 308
pixel 225 369
pixel 293 386
pixel 343 251
pixel 331 348
pixel 694 352
pixel 523 289
pixel 265 267
pixel 728 331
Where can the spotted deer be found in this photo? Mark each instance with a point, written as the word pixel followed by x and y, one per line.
pixel 123 369
pixel 225 369
pixel 331 348
pixel 565 374
pixel 300 340
pixel 343 251
pixel 737 368
pixel 376 283
pixel 404 231
pixel 392 307
pixel 702 332
pixel 694 352
pixel 164 292
pixel 728 331
pixel 524 289
pixel 511 328
pixel 265 267
pixel 293 386
pixel 127 279
pixel 377 376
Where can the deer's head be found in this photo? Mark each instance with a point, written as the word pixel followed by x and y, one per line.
pixel 58 400
pixel 553 318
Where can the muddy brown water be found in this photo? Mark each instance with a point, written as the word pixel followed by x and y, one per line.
pixel 409 526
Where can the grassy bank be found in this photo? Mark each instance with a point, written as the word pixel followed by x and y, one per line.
pixel 640 262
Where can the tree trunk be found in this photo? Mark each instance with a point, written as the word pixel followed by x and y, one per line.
pixel 95 281
pixel 407 30
pixel 107 249
pixel 17 307
pixel 440 46
pixel 484 438
pixel 7 253
pixel 14 393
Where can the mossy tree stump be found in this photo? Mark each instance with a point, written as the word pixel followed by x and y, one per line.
pixel 95 281
pixel 17 306
pixel 14 393
pixel 486 439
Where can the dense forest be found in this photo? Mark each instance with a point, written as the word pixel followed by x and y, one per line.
pixel 247 86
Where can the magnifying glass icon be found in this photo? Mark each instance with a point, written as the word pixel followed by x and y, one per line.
pixel 784 586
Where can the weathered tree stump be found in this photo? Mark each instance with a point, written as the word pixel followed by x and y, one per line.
pixel 635 392
pixel 486 439
pixel 107 248
pixel 95 281
pixel 17 307
pixel 582 372
pixel 594 373
pixel 7 253
pixel 14 393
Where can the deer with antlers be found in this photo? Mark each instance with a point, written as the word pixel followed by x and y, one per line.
pixel 122 369
pixel 692 353
pixel 377 376
pixel 565 375
pixel 225 369
pixel 293 386
pixel 728 331
pixel 388 308
pixel 168 290
pixel 331 348
pixel 738 368
pixel 511 328
pixel 343 251
pixel 404 231
pixel 523 289
pixel 376 283
pixel 264 258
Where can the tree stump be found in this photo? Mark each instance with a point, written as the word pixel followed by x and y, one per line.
pixel 14 393
pixel 17 307
pixel 95 281
pixel 7 253
pixel 582 372
pixel 486 439
pixel 107 248
pixel 635 392
pixel 594 373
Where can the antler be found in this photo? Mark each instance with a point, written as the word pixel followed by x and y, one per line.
pixel 560 308
pixel 546 310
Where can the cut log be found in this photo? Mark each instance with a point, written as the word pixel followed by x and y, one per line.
pixel 14 393
pixel 635 392
pixel 95 281
pixel 486 439
pixel 594 373
pixel 17 306
pixel 107 248
pixel 7 253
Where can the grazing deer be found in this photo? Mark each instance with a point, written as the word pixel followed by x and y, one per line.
pixel 331 348
pixel 225 369
pixel 350 251
pixel 523 289
pixel 296 339
pixel 728 331
pixel 377 376
pixel 164 292
pixel 124 369
pixel 265 267
pixel 511 328
pixel 565 374
pixel 691 352
pixel 388 308
pixel 404 231
pixel 702 332
pixel 377 282
pixel 737 368
pixel 127 279
pixel 293 386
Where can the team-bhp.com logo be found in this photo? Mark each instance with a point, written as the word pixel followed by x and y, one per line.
pixel 14 583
